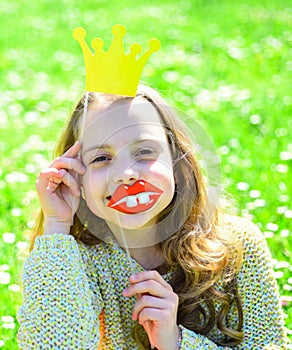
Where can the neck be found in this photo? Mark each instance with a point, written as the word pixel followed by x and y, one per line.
pixel 148 257
pixel 139 244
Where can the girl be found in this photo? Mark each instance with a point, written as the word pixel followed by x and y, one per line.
pixel 202 280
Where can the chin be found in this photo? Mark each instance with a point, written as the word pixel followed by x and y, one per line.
pixel 132 221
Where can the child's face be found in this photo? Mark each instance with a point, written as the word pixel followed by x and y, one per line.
pixel 129 178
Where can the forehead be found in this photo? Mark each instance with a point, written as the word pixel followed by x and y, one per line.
pixel 122 121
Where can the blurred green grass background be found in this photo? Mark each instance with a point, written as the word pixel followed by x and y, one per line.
pixel 226 64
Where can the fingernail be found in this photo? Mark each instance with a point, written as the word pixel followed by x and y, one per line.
pixel 134 277
pixel 125 291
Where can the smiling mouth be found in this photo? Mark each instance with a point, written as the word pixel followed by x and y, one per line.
pixel 134 199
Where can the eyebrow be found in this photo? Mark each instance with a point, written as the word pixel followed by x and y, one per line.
pixel 93 148
pixel 105 146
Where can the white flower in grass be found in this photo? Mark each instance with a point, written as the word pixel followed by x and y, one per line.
pixel 7 319
pixel 278 274
pixel 16 212
pixel 283 198
pixel 282 168
pixel 286 155
pixel 255 119
pixel 281 264
pixel 8 237
pixel 284 233
pixel 254 194
pixel 4 267
pixel 8 325
pixel 4 277
pixel 22 245
pixel 268 234
pixel 14 288
pixel 16 176
pixel 272 227
pixel 260 203
pixel 242 186
pixel 282 209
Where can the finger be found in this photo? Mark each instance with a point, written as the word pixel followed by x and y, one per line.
pixel 147 301
pixel 71 183
pixel 44 184
pixel 52 186
pixel 147 327
pixel 155 315
pixel 55 180
pixel 68 164
pixel 45 175
pixel 149 275
pixel 73 150
pixel 152 287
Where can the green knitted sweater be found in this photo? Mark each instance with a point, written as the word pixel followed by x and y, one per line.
pixel 72 296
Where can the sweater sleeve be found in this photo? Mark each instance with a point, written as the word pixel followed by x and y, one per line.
pixel 263 325
pixel 59 310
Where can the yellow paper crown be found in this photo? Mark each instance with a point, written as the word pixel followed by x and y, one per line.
pixel 113 72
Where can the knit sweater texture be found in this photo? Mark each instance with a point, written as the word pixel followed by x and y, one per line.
pixel 72 296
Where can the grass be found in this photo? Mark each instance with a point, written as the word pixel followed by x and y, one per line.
pixel 225 64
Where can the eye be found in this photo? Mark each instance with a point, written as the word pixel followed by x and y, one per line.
pixel 101 159
pixel 146 153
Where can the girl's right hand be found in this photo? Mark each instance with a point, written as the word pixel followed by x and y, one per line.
pixel 58 190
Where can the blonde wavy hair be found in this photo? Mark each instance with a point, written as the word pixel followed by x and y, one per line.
pixel 200 252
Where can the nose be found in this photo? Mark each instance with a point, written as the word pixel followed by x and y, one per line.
pixel 126 174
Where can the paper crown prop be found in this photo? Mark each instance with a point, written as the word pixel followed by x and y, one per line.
pixel 113 72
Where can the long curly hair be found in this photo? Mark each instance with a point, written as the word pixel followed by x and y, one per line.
pixel 199 251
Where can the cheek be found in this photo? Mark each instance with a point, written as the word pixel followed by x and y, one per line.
pixel 94 184
pixel 93 187
pixel 162 171
pixel 162 176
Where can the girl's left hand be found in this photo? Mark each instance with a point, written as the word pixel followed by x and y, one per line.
pixel 156 309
